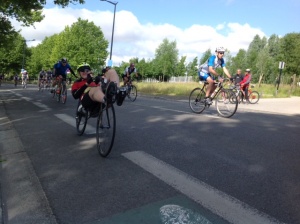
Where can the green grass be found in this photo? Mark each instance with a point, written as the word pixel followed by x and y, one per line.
pixel 184 89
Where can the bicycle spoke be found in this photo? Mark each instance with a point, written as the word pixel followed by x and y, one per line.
pixel 226 103
pixel 105 130
pixel 132 94
pixel 81 121
pixel 196 100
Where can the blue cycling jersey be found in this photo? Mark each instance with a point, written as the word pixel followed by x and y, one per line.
pixel 61 69
pixel 213 61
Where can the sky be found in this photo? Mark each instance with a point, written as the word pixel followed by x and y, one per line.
pixel 195 25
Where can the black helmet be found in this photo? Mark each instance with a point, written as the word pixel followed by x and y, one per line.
pixel 64 60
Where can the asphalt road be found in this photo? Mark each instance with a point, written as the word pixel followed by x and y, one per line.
pixel 168 165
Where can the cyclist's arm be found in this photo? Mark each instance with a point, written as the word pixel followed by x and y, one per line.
pixel 77 93
pixel 226 72
pixel 73 73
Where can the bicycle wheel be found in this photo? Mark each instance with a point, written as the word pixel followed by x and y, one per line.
pixel 132 94
pixel 254 97
pixel 58 94
pixel 81 121
pixel 106 130
pixel 233 97
pixel 196 100
pixel 225 104
pixel 64 95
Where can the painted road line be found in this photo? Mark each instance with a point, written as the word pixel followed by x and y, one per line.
pixel 227 207
pixel 71 121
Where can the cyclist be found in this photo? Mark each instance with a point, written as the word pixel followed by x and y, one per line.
pixel 42 77
pixel 60 71
pixel 16 78
pixel 127 73
pixel 238 77
pixel 245 84
pixel 207 71
pixel 24 76
pixel 48 77
pixel 91 92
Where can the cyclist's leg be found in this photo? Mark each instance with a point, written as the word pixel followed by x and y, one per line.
pixel 125 80
pixel 96 94
pixel 210 87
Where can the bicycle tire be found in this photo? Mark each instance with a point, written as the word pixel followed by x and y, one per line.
pixel 81 121
pixel 64 96
pixel 254 97
pixel 196 100
pixel 58 95
pixel 233 97
pixel 225 105
pixel 132 94
pixel 106 130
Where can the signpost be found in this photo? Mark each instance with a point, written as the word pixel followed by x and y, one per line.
pixel 281 66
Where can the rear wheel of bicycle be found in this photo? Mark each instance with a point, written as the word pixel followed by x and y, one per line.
pixel 58 94
pixel 132 94
pixel 81 121
pixel 64 96
pixel 225 104
pixel 106 130
pixel 196 100
pixel 254 97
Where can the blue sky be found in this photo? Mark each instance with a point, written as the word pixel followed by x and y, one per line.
pixel 195 25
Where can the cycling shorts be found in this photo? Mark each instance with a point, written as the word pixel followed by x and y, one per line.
pixel 203 76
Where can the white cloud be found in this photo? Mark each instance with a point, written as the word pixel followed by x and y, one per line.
pixel 133 39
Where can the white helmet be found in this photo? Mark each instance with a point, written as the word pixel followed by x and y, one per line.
pixel 220 49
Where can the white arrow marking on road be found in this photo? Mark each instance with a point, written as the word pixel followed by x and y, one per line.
pixel 227 207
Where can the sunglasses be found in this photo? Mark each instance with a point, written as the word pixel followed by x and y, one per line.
pixel 221 52
pixel 84 70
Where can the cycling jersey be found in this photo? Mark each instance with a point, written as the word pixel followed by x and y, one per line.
pixel 129 70
pixel 214 62
pixel 60 69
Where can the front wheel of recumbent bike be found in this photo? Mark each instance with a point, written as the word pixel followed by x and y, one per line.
pixel 226 103
pixel 132 94
pixel 106 130
pixel 197 100
pixel 81 121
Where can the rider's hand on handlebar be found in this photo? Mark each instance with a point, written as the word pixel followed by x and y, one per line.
pixel 89 79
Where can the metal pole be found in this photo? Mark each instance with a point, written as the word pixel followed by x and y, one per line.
pixel 279 78
pixel 112 34
pixel 113 28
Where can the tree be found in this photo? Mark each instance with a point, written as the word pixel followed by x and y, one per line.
pixel 239 61
pixel 290 48
pixel 27 12
pixel 166 56
pixel 205 56
pixel 11 60
pixel 192 68
pixel 181 68
pixel 83 41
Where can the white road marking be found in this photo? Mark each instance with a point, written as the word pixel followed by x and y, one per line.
pixel 71 121
pixel 227 207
